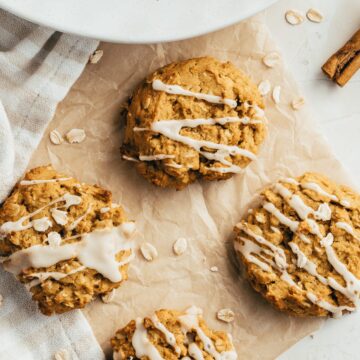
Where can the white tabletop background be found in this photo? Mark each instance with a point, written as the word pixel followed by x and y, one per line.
pixel 337 111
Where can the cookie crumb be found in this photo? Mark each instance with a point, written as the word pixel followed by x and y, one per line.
pixel 75 136
pixel 180 246
pixel 214 269
pixel 96 56
pixel 296 104
pixel 225 315
pixel 55 137
pixel 148 251
pixel 108 297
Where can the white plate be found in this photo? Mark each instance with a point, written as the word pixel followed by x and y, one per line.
pixel 135 21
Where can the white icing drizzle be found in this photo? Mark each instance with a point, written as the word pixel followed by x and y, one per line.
pixel 336 310
pixel 172 128
pixel 348 228
pixel 278 253
pixel 289 181
pixel 304 238
pixel 34 182
pixel 129 158
pixel 195 352
pixel 169 336
pixel 346 203
pixel 155 157
pixel 78 220
pixel 248 248
pixel 96 250
pixel 18 225
pixel 318 189
pixel 190 322
pixel 271 208
pixel 158 85
pixel 141 343
pixel 175 165
pixel 294 201
pixel 42 276
pixel 352 283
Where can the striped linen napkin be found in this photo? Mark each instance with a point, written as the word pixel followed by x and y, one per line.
pixel 38 66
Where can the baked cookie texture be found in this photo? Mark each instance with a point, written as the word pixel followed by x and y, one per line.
pixel 199 118
pixel 65 240
pixel 301 246
pixel 171 335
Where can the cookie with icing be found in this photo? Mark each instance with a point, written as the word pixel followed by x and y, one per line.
pixel 199 118
pixel 301 246
pixel 171 335
pixel 64 240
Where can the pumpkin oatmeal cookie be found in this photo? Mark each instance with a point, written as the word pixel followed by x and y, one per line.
pixel 301 246
pixel 64 240
pixel 199 118
pixel 171 335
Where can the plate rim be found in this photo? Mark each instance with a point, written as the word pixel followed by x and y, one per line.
pixel 116 38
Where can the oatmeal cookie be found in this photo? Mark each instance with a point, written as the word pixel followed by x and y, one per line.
pixel 301 246
pixel 65 240
pixel 171 335
pixel 199 118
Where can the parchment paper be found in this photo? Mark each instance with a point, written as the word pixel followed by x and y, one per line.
pixel 204 213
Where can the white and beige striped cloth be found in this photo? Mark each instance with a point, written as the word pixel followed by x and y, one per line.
pixel 37 68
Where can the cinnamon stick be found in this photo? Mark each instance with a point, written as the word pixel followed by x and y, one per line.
pixel 342 65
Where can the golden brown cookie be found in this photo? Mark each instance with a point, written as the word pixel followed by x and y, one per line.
pixel 65 240
pixel 301 246
pixel 199 118
pixel 171 335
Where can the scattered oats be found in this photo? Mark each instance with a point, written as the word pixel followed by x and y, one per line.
pixel 180 246
pixel 214 269
pixel 260 217
pixel 96 56
pixel 62 355
pixel 55 137
pixel 148 251
pixel 226 315
pixel 104 210
pixel 271 59
pixel 59 216
pixel 264 87
pixel 294 17
pixel 75 136
pixel 276 94
pixel 108 297
pixel 54 238
pixel 42 224
pixel 296 104
pixel 314 15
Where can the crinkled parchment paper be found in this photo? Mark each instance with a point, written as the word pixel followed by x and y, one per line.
pixel 204 213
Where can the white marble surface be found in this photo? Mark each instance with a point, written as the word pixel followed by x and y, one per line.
pixel 337 110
